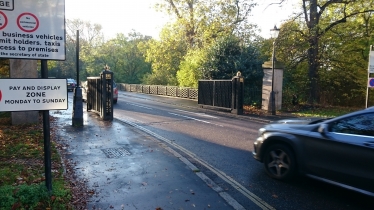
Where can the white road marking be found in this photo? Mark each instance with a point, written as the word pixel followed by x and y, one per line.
pixel 192 118
pixel 244 191
pixel 145 107
pixel 196 113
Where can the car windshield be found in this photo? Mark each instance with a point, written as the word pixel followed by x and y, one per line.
pixel 318 120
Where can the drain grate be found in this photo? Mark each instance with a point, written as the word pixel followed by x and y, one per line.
pixel 116 152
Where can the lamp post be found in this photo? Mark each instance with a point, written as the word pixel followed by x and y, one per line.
pixel 77 99
pixel 274 34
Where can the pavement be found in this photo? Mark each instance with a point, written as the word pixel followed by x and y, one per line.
pixel 130 169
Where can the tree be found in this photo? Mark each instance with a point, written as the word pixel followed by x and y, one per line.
pixel 291 49
pixel 165 56
pixel 320 17
pixel 341 61
pixel 228 56
pixel 191 68
pixel 90 38
pixel 125 58
pixel 196 27
pixel 203 21
pixel 344 61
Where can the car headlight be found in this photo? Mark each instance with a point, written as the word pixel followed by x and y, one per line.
pixel 261 131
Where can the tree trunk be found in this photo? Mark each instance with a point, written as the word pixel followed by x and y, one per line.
pixel 313 53
pixel 24 69
pixel 313 71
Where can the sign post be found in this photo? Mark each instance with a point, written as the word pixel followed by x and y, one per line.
pixel 46 134
pixel 34 30
pixel 370 71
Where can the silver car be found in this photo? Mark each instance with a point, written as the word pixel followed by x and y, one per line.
pixel 338 151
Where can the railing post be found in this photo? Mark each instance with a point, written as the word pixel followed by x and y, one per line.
pixel 106 110
pixel 237 94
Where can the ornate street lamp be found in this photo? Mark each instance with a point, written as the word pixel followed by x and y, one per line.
pixel 274 34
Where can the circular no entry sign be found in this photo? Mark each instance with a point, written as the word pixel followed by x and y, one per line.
pixel 371 82
pixel 3 20
pixel 27 22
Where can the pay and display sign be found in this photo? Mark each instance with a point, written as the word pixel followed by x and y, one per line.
pixel 33 94
pixel 31 29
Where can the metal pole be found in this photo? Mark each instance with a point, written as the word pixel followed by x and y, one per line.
pixel 272 94
pixel 367 93
pixel 77 98
pixel 367 85
pixel 46 133
pixel 77 57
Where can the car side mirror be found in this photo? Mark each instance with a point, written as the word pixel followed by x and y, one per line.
pixel 323 129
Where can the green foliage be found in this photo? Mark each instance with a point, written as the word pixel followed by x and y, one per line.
pixel 343 57
pixel 224 57
pixel 252 96
pixel 326 112
pixel 4 68
pixel 323 21
pixel 5 115
pixel 90 37
pixel 6 197
pixel 30 195
pixel 22 183
pixel 201 22
pixel 124 57
pixel 198 24
pixel 165 56
pixel 122 54
pixel 344 54
pixel 33 196
pixel 227 56
pixel 23 196
pixel 190 68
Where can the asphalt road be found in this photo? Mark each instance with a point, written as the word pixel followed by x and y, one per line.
pixel 220 145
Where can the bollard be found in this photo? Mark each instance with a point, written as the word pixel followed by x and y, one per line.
pixel 237 94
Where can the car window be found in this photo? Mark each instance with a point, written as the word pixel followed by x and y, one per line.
pixel 360 125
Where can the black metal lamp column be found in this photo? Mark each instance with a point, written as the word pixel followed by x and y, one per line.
pixel 77 102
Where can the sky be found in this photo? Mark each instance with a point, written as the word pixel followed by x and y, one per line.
pixel 123 16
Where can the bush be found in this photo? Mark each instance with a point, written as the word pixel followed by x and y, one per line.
pixel 33 196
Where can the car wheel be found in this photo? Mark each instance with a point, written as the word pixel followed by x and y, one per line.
pixel 280 162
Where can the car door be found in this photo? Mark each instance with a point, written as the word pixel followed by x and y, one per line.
pixel 344 153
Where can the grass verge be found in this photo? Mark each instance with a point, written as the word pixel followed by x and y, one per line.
pixel 304 110
pixel 22 181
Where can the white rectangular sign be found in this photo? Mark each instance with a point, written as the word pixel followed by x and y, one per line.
pixel 6 4
pixel 32 29
pixel 33 94
pixel 371 62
